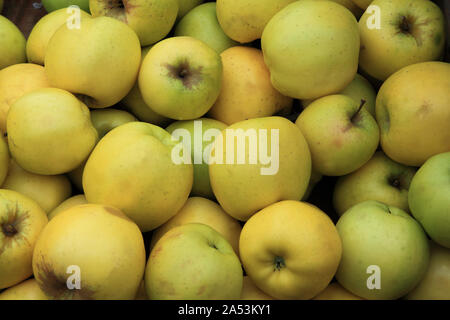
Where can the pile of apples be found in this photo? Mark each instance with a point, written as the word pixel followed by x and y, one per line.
pixel 116 121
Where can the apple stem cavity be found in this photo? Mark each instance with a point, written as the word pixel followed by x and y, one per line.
pixel 279 263
pixel 356 117
pixel 9 230
pixel 405 25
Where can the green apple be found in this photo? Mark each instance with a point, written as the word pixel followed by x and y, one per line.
pixel 385 252
pixel 181 78
pixel 436 282
pixel 262 161
pixel 412 110
pixel 150 19
pixel 341 135
pixel 50 131
pixel 43 30
pixel 12 44
pixel 409 32
pixel 380 179
pixel 429 198
pixel 359 89
pixel 329 50
pixel 193 132
pixel 131 168
pixel 201 23
pixel 184 6
pixel 105 55
pixel 193 262
pixel 53 5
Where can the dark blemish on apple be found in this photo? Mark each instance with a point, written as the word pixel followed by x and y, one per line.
pixel 395 182
pixel 201 290
pixel 156 251
pixel 423 110
pixel 185 73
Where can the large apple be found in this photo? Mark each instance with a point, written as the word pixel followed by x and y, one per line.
pixel 409 32
pixel 44 29
pixel 66 204
pixel 150 19
pixel 429 198
pixel 244 68
pixel 290 249
pixel 385 251
pixel 26 290
pixel 50 131
pixel 245 20
pixel 104 60
pixel 15 81
pixel 193 133
pixel 47 190
pixel 380 179
pixel 201 23
pixel 412 110
pixel 201 210
pixel 436 282
pixel 329 50
pixel 257 162
pixel 193 262
pixel 93 244
pixel 21 222
pixel 12 44
pixel 180 78
pixel 131 168
pixel 53 5
pixel 342 135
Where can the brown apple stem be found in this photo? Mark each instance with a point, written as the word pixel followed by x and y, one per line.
pixel 359 110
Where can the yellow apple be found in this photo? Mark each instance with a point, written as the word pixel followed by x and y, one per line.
pixel 15 81
pixel 21 222
pixel 335 291
pixel 66 204
pixel 412 110
pixel 247 92
pixel 47 190
pixel 44 29
pixel 50 131
pixel 26 290
pixel 290 249
pixel 99 61
pixel 201 210
pixel 12 44
pixel 251 292
pixel 97 244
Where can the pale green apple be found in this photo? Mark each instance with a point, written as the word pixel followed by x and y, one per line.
pixel 341 135
pixel 385 252
pixel 102 60
pixel 359 89
pixel 12 44
pixel 181 78
pixel 131 168
pixel 193 262
pixel 184 6
pixel 329 49
pixel 150 19
pixel 201 23
pixel 380 179
pixel 197 145
pixel 429 198
pixel 53 5
pixel 436 282
pixel 409 32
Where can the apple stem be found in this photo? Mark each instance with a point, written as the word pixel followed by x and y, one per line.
pixel 359 109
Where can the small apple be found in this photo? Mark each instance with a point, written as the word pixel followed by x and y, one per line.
pixel 251 292
pixel 99 245
pixel 201 23
pixel 53 5
pixel 50 131
pixel 342 136
pixel 131 168
pixel 150 19
pixel 429 198
pixel 193 262
pixel 107 119
pixel 104 61
pixel 66 204
pixel 244 68
pixel 385 252
pixel 44 29
pixel 180 78
pixel 380 179
pixel 290 250
pixel 335 291
pixel 185 6
pixel 26 290
pixel 412 110
pixel 12 44
pixel 409 32
pixel 329 51
pixel 21 222
pixel 47 190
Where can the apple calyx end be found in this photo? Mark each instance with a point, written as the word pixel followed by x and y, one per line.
pixel 9 230
pixel 279 263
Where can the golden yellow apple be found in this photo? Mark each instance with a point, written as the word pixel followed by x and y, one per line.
pixel 26 290
pixel 251 292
